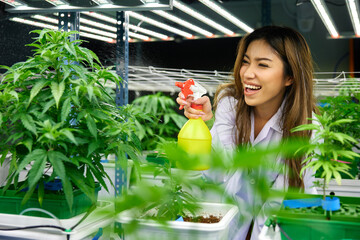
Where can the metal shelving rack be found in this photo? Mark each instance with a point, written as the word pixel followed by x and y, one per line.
pixel 156 79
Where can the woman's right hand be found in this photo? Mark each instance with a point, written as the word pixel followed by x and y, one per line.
pixel 206 114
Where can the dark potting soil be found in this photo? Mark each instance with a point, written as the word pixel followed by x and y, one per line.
pixel 202 219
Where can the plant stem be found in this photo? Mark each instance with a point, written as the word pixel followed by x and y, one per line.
pixel 324 187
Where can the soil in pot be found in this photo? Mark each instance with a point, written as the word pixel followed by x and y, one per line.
pixel 202 219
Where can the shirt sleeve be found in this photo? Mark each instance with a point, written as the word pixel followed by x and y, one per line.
pixel 224 128
pixel 223 136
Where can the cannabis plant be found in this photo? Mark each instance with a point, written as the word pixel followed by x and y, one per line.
pixel 346 105
pixel 56 114
pixel 165 123
pixel 325 148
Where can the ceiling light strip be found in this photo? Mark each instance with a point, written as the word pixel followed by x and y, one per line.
pixel 324 14
pixel 220 10
pixel 53 27
pixel 102 2
pixel 183 23
pixel 148 32
pixel 14 3
pixel 93 30
pixel 132 27
pixel 160 25
pixel 45 19
pixel 96 24
pixel 101 17
pixel 353 8
pixel 34 23
pixel 201 17
pixel 57 2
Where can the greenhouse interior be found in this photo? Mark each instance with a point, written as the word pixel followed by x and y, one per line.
pixel 179 119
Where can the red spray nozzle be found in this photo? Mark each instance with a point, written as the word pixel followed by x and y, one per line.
pixel 185 89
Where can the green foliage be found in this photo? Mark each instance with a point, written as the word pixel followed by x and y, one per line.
pixel 55 112
pixel 345 106
pixel 326 147
pixel 176 201
pixel 165 123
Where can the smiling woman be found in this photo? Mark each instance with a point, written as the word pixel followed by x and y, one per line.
pixel 271 94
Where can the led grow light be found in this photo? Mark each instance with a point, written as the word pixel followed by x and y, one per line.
pixel 148 32
pixel 324 14
pixel 46 19
pixel 48 26
pixel 101 17
pixel 160 25
pixel 220 10
pixel 57 2
pixel 353 8
pixel 149 1
pixel 96 24
pixel 102 2
pixel 14 3
pixel 202 18
pixel 183 23
pixel 113 29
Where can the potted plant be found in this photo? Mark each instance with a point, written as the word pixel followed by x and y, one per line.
pixel 345 105
pixel 326 217
pixel 58 120
pixel 172 212
pixel 181 195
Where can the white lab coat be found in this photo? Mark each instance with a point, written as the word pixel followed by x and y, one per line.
pixel 239 184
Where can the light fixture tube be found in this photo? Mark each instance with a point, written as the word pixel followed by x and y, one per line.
pixel 202 18
pixel 149 1
pixel 102 2
pixel 132 27
pixel 148 32
pixel 183 23
pixel 101 17
pixel 324 14
pixel 160 25
pixel 53 27
pixel 57 2
pixel 46 19
pixel 220 10
pixel 14 3
pixel 93 30
pixel 353 8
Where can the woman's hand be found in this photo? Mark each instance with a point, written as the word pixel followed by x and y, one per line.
pixel 206 114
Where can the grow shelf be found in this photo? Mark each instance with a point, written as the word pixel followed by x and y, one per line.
pixel 157 79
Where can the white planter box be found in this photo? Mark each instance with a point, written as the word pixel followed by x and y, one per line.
pixel 150 229
pixel 348 187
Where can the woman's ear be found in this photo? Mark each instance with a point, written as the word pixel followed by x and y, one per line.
pixel 289 81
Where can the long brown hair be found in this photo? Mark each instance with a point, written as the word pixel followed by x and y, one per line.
pixel 300 103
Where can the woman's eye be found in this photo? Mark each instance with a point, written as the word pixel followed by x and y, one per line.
pixel 263 65
pixel 244 61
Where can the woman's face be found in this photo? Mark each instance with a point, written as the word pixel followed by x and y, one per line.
pixel 262 76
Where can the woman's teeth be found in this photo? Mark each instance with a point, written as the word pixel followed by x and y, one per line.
pixel 252 87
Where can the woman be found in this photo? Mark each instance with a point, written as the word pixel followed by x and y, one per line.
pixel 272 93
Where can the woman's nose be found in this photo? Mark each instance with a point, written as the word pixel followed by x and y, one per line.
pixel 249 71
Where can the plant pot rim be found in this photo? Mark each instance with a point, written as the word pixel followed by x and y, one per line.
pixel 231 212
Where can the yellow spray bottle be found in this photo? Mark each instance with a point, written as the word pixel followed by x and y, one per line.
pixel 194 137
